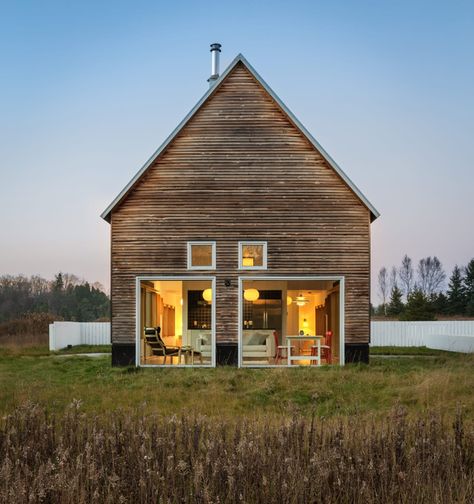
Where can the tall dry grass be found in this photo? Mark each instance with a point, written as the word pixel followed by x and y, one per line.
pixel 23 340
pixel 30 330
pixel 139 459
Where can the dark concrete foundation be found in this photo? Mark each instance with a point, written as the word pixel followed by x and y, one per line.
pixel 357 353
pixel 123 354
pixel 227 354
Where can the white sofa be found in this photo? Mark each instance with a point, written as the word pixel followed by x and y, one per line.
pixel 258 344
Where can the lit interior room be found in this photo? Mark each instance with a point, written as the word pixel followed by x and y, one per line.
pixel 290 322
pixel 176 322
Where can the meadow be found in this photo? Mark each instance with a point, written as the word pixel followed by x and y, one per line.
pixel 74 429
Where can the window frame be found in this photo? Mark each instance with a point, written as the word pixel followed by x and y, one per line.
pixel 265 254
pixel 190 257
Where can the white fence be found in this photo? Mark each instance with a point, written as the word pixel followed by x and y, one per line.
pixel 62 334
pixel 453 335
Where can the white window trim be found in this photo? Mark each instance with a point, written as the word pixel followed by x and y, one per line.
pixel 342 315
pixel 265 253
pixel 138 281
pixel 189 262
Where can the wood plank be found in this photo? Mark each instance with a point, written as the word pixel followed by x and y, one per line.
pixel 240 170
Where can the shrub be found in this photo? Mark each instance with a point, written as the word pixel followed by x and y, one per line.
pixel 123 458
pixel 31 323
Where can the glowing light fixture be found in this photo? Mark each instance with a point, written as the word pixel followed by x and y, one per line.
pixel 301 300
pixel 247 261
pixel 289 300
pixel 207 295
pixel 251 294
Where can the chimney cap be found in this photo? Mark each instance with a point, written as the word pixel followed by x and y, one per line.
pixel 216 47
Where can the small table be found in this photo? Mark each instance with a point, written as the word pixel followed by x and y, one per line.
pixel 189 351
pixel 306 337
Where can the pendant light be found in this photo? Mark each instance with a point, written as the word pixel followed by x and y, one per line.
pixel 251 294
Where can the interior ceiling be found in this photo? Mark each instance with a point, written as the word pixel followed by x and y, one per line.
pixel 168 286
pixel 291 285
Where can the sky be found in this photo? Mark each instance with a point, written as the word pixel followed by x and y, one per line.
pixel 90 89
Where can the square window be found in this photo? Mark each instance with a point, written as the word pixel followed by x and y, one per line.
pixel 252 255
pixel 201 255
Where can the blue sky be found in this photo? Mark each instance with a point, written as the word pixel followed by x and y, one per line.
pixel 88 90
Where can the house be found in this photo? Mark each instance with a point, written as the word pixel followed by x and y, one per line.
pixel 241 240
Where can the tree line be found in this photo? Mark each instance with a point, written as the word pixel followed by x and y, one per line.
pixel 65 297
pixel 420 294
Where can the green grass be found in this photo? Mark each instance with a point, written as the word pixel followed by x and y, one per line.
pixel 443 382
pixel 394 350
pixel 43 350
pixel 86 349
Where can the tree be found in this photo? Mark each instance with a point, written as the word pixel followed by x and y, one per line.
pixel 417 307
pixel 395 306
pixel 456 293
pixel 383 287
pixel 405 273
pixel 469 287
pixel 393 278
pixel 431 275
pixel 21 296
pixel 58 282
pixel 439 303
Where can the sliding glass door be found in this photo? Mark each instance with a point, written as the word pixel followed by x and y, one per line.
pixel 176 322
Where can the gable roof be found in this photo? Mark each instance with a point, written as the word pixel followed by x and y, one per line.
pixel 239 59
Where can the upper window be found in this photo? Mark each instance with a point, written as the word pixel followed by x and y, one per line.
pixel 252 255
pixel 201 255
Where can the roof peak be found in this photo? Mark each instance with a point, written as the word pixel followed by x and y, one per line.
pixel 241 58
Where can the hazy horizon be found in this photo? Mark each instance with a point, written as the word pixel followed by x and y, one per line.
pixel 90 91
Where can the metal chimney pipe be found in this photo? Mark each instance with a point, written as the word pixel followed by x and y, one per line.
pixel 215 53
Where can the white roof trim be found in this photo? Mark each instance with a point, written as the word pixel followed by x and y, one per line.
pixel 240 58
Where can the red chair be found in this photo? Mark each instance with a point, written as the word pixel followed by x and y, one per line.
pixel 326 349
pixel 279 349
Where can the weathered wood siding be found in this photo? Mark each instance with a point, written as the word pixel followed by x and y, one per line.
pixel 240 170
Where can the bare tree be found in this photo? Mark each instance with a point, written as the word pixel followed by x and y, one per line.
pixel 39 285
pixel 71 280
pixel 98 286
pixel 405 274
pixel 393 278
pixel 431 275
pixel 383 287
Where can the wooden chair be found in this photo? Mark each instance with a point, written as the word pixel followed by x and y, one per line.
pixel 158 347
pixel 280 349
pixel 326 349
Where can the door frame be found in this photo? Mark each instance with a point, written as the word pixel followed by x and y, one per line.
pixel 339 278
pixel 152 278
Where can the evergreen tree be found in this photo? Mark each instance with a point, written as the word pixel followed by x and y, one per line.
pixel 395 305
pixel 418 307
pixel 456 293
pixel 469 287
pixel 58 283
pixel 439 303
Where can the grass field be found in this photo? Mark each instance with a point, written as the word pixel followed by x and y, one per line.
pixel 74 429
pixel 442 382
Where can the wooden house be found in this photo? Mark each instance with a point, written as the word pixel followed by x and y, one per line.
pixel 240 241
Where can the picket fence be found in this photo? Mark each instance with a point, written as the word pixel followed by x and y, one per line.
pixel 62 334
pixel 452 335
